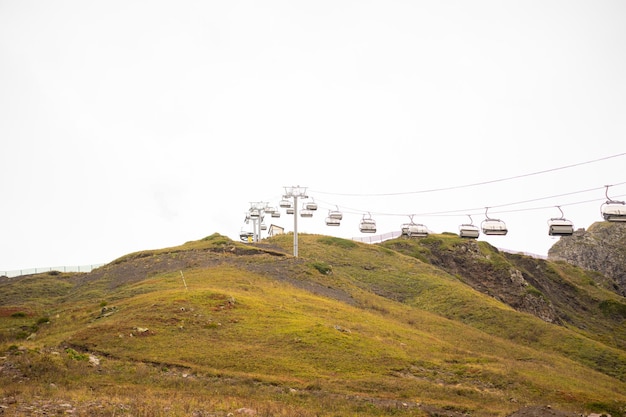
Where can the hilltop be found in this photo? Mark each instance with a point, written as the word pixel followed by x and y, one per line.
pixel 438 326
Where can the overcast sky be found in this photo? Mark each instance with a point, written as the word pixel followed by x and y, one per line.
pixel 134 125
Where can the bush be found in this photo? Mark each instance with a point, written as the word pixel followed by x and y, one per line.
pixel 323 268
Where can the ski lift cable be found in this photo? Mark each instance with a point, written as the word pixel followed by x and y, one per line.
pixel 456 187
pixel 474 210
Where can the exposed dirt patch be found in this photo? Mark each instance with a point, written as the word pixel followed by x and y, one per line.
pixel 542 411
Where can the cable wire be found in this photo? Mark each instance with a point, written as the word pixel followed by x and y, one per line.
pixel 456 187
pixel 465 211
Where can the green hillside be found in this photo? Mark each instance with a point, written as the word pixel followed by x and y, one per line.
pixel 214 327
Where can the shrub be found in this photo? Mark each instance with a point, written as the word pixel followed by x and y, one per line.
pixel 74 355
pixel 322 267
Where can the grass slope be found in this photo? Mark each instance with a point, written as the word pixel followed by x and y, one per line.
pixel 346 329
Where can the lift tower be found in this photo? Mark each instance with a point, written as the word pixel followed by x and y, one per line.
pixel 295 193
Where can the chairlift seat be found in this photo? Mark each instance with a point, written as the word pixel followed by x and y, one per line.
pixel 335 214
pixel 285 204
pixel 276 213
pixel 417 230
pixel 469 231
pixel 306 213
pixel 331 221
pixel 494 227
pixel 614 211
pixel 560 227
pixel 311 205
pixel 290 210
pixel 367 226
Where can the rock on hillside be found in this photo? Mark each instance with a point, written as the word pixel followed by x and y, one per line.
pixel 601 248
pixel 523 287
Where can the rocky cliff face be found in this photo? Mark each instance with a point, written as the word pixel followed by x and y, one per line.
pixel 601 248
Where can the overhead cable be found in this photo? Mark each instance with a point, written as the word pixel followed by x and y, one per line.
pixel 455 187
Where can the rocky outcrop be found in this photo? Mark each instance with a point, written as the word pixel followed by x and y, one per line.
pixel 601 248
pixel 503 280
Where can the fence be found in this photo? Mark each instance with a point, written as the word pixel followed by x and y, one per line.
pixel 30 271
pixel 377 238
pixel 393 235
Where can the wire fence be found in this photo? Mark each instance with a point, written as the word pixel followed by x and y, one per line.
pixel 377 238
pixel 31 271
pixel 392 235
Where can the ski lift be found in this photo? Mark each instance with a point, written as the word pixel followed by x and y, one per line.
pixel 254 213
pixel 612 210
pixel 335 214
pixel 367 225
pixel 560 226
pixel 275 212
pixel 331 221
pixel 305 212
pixel 284 203
pixel 246 236
pixel 413 229
pixel 418 230
pixel 469 230
pixel 263 226
pixel 334 217
pixel 311 205
pixel 493 226
pixel 290 210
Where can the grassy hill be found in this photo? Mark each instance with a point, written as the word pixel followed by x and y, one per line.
pixel 214 327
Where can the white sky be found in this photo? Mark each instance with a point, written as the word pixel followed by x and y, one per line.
pixel 133 125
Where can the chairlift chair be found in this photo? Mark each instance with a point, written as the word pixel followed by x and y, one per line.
pixel 284 203
pixel 310 205
pixel 305 212
pixel 417 230
pixel 367 225
pixel 263 226
pixel 290 210
pixel 493 226
pixel 413 229
pixel 254 214
pixel 612 210
pixel 331 221
pixel 560 226
pixel 335 214
pixel 469 230
pixel 275 213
